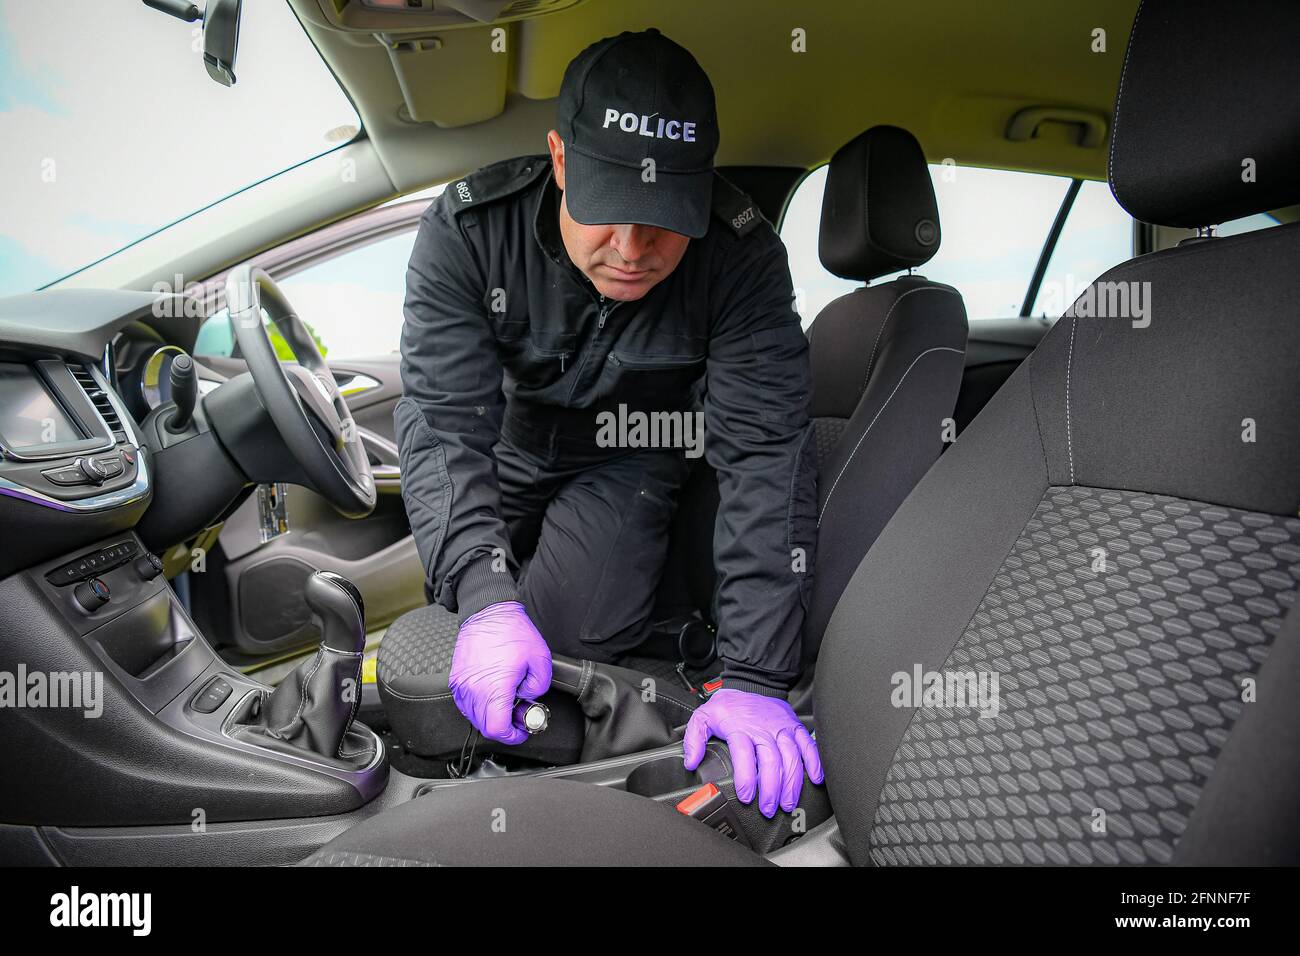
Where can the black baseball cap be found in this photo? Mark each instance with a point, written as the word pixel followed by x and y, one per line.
pixel 628 99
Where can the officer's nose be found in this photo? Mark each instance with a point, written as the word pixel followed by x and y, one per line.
pixel 632 241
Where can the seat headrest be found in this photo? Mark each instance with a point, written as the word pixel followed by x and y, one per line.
pixel 878 212
pixel 1207 118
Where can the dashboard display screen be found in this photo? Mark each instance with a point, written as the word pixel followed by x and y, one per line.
pixel 29 414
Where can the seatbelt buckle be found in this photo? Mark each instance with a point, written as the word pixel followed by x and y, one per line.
pixel 705 690
pixel 711 807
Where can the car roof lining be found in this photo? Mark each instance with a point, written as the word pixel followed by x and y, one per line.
pixel 954 77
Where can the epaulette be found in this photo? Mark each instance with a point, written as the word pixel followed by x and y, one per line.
pixel 733 207
pixel 494 182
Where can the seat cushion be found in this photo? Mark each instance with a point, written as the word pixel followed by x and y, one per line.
pixel 1125 629
pixel 532 821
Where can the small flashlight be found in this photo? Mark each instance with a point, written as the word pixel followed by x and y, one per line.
pixel 532 715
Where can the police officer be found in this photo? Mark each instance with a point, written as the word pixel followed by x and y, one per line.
pixel 620 276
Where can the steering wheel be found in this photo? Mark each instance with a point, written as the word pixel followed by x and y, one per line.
pixel 302 399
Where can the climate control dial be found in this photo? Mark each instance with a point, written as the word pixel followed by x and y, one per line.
pixel 91 595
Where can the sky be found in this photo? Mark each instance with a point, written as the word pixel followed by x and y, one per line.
pixel 112 128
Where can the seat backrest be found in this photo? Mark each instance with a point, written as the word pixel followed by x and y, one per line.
pixel 886 368
pixel 886 359
pixel 1114 539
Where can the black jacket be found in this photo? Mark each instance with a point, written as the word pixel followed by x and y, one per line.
pixel 490 290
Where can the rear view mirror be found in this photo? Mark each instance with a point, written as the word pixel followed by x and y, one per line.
pixel 221 39
pixel 220 32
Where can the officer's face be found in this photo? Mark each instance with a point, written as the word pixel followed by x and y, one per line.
pixel 623 262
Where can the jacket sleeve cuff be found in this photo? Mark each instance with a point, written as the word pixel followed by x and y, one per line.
pixel 750 686
pixel 479 586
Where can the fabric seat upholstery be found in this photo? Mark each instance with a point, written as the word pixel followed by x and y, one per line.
pixel 530 821
pixel 1106 536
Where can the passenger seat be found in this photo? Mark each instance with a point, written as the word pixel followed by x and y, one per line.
pixel 887 359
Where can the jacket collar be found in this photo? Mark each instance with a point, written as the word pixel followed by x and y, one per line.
pixel 546 231
pixel 546 222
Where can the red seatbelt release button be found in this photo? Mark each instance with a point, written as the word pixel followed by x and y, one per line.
pixel 699 800
pixel 710 806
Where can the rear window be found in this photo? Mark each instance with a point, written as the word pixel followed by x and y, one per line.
pixel 1097 235
pixel 995 224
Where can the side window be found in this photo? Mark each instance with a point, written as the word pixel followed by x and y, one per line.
pixel 216 337
pixel 1261 220
pixel 994 224
pixel 352 303
pixel 1097 234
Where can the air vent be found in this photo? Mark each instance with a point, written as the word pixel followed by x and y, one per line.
pixel 99 400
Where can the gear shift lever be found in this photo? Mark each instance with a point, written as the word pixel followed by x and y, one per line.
pixel 342 613
pixel 312 709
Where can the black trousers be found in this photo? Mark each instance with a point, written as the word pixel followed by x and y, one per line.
pixel 591 537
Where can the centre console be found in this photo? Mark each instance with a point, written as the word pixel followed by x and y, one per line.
pixel 166 756
pixel 147 730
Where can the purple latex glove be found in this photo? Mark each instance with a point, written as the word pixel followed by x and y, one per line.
pixel 499 656
pixel 770 747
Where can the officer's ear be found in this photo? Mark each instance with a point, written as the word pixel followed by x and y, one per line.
pixel 556 146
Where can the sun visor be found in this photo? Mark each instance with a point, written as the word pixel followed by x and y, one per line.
pixel 453 79
pixel 451 58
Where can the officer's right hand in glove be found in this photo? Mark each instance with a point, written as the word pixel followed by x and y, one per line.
pixel 499 656
pixel 770 747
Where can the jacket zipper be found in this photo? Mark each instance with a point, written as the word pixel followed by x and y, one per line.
pixel 605 309
pixel 666 364
pixel 560 354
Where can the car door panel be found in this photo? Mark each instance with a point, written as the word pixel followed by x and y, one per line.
pixel 256 606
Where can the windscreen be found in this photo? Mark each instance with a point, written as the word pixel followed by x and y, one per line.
pixel 112 129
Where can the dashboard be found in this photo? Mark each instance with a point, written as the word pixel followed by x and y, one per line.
pixel 92 444
pixel 73 465
pixel 64 438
